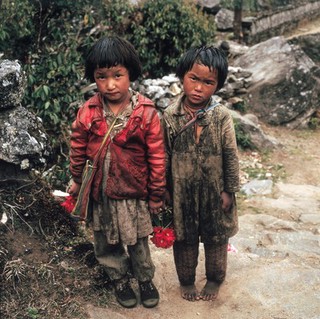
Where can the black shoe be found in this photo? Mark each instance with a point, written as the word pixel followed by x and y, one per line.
pixel 125 295
pixel 149 294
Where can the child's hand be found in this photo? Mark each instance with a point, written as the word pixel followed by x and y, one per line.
pixel 227 201
pixel 74 189
pixel 155 207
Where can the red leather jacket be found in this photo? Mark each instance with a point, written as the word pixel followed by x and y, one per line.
pixel 137 163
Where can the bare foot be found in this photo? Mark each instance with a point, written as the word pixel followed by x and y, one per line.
pixel 190 293
pixel 210 291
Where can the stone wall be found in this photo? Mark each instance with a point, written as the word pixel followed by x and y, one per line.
pixel 273 24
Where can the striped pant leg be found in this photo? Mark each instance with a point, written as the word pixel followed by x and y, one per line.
pixel 186 261
pixel 216 261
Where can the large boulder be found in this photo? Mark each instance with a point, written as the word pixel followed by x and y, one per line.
pixel 224 20
pixel 24 145
pixel 310 44
pixel 285 87
pixel 210 6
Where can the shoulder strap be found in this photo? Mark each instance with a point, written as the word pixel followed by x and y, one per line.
pixel 104 140
pixel 198 115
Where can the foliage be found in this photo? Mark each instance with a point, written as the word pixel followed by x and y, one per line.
pixel 118 14
pixel 166 29
pixel 243 138
pixel 14 37
pixel 314 123
pixel 33 313
pixel 49 39
pixel 54 69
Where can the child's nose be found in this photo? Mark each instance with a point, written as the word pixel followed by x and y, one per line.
pixel 110 84
pixel 198 86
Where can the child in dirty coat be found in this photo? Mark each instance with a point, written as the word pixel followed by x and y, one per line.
pixel 202 171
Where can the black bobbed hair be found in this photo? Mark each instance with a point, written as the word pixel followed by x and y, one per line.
pixel 110 51
pixel 210 56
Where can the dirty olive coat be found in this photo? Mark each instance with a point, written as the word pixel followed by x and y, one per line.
pixel 198 173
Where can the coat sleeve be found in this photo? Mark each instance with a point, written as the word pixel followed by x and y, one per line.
pixel 155 158
pixel 78 146
pixel 168 140
pixel 230 155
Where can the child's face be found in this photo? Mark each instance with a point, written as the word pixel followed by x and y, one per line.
pixel 113 83
pixel 199 85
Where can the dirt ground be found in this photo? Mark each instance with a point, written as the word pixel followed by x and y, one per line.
pixel 300 154
pixel 305 27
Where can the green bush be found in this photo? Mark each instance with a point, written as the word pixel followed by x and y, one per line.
pixel 243 138
pixel 17 29
pixel 165 29
pixel 117 15
pixel 52 36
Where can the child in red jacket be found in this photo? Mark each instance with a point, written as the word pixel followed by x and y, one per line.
pixel 130 180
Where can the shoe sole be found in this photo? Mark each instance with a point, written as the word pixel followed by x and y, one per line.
pixel 127 304
pixel 150 303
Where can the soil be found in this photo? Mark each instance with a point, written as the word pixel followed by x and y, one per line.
pixel 47 265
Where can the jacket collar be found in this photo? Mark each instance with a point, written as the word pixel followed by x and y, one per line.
pixel 179 109
pixel 137 99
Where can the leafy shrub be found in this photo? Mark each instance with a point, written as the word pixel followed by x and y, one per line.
pixel 243 138
pixel 165 30
pixel 53 36
pixel 117 15
pixel 17 30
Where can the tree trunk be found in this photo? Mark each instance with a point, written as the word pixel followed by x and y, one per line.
pixel 237 20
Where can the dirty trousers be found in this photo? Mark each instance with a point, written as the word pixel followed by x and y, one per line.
pixel 186 261
pixel 118 261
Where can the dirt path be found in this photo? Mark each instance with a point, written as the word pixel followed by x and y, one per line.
pixel 305 27
pixel 300 154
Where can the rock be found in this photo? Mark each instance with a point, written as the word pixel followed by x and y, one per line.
pixel 276 18
pixel 24 144
pixel 224 19
pixel 310 44
pixel 250 130
pixel 211 6
pixel 257 187
pixel 284 85
pixel 12 84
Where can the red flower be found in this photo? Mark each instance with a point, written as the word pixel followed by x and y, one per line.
pixel 68 204
pixel 163 232
pixel 163 237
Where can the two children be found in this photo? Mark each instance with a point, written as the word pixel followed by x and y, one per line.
pixel 130 180
pixel 131 175
pixel 202 171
